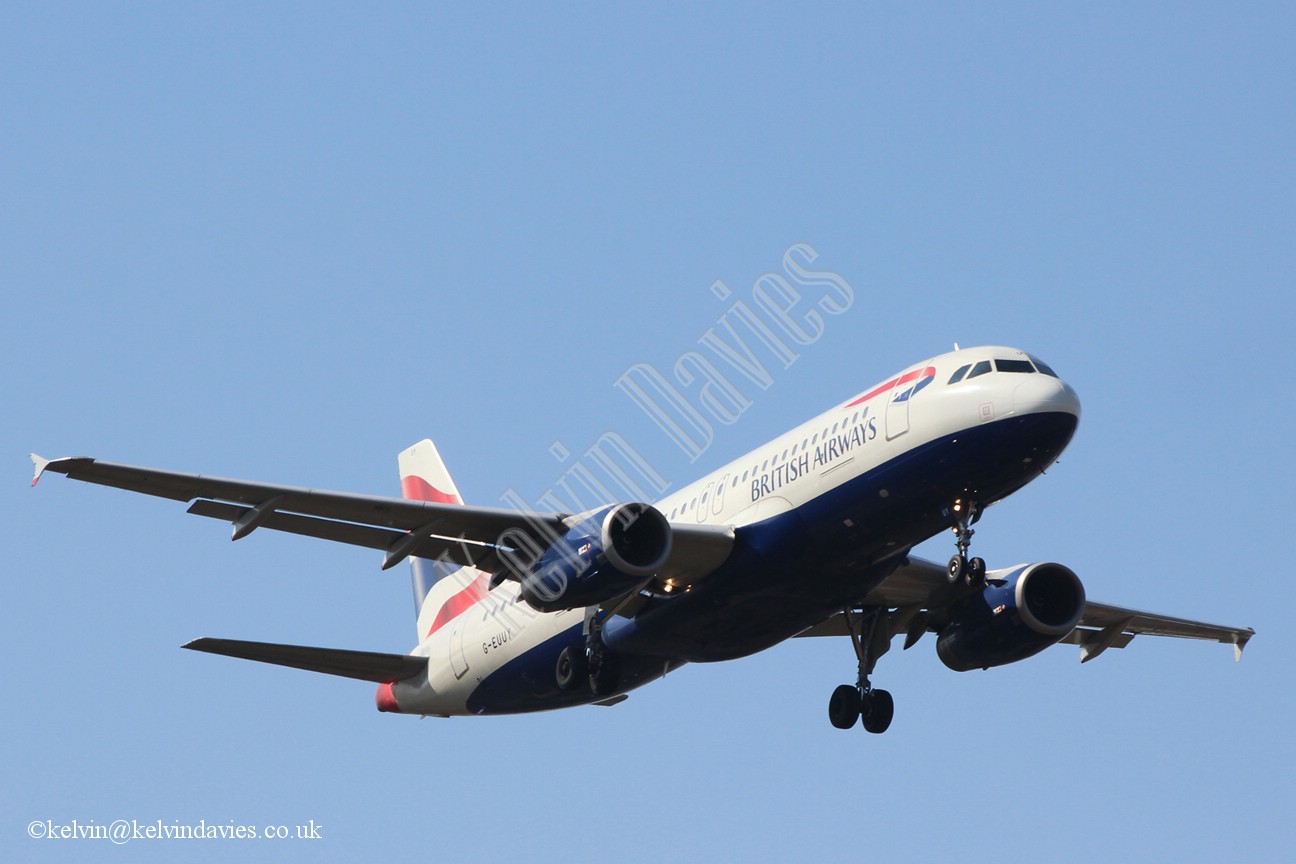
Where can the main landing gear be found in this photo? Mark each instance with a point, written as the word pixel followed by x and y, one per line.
pixel 589 664
pixel 964 514
pixel 850 705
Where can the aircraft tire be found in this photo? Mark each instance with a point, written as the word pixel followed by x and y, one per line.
pixel 956 569
pixel 878 711
pixel 844 707
pixel 570 669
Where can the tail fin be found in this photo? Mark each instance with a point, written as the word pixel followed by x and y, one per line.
pixel 424 477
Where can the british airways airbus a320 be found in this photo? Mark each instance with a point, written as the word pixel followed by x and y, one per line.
pixel 809 535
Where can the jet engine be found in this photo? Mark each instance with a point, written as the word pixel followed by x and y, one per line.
pixel 606 553
pixel 1021 611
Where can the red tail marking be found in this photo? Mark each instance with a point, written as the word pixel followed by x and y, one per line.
pixel 417 489
pixel 459 603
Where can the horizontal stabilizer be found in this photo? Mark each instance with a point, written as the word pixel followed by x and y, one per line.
pixel 364 665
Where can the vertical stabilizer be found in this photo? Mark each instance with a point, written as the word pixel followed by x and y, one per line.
pixel 424 477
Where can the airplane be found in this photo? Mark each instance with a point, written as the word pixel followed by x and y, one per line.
pixel 808 535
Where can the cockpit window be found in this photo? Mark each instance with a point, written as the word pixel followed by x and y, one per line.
pixel 979 369
pixel 1014 366
pixel 958 376
pixel 1043 367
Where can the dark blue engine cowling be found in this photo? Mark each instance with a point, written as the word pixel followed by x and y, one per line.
pixel 606 553
pixel 1021 611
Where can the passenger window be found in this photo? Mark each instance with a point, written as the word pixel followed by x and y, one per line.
pixel 979 369
pixel 1014 366
pixel 958 376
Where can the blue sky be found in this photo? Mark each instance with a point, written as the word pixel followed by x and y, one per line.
pixel 285 242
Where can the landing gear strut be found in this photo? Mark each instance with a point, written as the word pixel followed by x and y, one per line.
pixel 964 514
pixel 848 704
pixel 604 674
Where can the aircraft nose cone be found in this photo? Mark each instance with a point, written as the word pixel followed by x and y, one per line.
pixel 1043 394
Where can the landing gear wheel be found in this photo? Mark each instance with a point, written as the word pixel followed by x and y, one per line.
pixel 571 669
pixel 960 569
pixel 957 569
pixel 877 710
pixel 844 707
pixel 870 635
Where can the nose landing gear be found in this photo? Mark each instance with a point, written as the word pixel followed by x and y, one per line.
pixel 964 514
pixel 851 704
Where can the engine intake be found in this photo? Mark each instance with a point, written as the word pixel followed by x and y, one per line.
pixel 606 553
pixel 1021 611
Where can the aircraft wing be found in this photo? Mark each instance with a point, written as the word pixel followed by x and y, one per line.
pixel 917 587
pixel 400 527
pixel 1103 626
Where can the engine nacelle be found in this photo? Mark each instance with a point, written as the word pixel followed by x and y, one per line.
pixel 608 552
pixel 1021 611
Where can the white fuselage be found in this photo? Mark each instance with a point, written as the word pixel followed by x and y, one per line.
pixel 882 424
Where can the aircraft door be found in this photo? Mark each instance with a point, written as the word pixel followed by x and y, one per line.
pixel 897 409
pixel 705 503
pixel 458 659
pixel 717 502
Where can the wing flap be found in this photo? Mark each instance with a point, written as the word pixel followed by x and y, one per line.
pixel 362 665
pixel 306 526
pixel 457 550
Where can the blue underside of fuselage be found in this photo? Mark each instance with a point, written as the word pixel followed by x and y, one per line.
pixel 791 571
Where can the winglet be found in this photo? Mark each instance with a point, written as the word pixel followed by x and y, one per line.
pixel 41 464
pixel 1239 642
